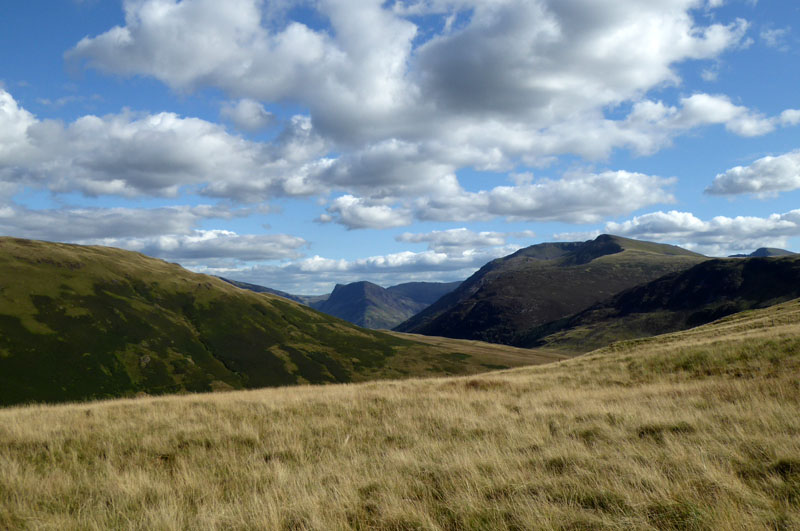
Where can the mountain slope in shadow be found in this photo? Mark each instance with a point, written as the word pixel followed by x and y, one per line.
pixel 509 297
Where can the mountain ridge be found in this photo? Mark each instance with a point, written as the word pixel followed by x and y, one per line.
pixel 763 252
pixel 678 301
pixel 367 304
pixel 544 282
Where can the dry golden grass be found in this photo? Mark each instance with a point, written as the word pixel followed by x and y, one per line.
pixel 697 430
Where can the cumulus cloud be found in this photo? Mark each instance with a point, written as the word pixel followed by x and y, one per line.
pixel 461 239
pixel 718 236
pixel 577 198
pixel 359 213
pixel 790 117
pixel 95 224
pixel 246 114
pixel 704 109
pixel 512 55
pixel 214 246
pixel 167 232
pixel 134 154
pixel 516 80
pixel 318 274
pixel 767 175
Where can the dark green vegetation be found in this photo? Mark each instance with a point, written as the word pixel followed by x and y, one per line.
pixel 678 301
pixel 90 322
pixel 371 306
pixel 510 297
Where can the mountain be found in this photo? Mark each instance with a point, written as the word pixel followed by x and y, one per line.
pixel 308 300
pixel 423 292
pixel 764 252
pixel 367 304
pixel 509 297
pixel 371 306
pixel 82 322
pixel 678 301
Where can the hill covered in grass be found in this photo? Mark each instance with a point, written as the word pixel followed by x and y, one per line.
pixel 81 322
pixel 509 297
pixel 708 291
pixel 693 430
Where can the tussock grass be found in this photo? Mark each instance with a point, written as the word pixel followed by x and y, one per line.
pixel 695 430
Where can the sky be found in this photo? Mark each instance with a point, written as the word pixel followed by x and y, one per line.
pixel 299 144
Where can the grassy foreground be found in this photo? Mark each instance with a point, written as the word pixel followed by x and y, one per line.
pixel 695 430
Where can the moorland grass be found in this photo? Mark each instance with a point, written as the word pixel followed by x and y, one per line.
pixel 694 430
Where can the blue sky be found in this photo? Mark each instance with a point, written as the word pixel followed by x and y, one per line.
pixel 300 144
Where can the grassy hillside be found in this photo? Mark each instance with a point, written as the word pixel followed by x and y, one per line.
pixel 695 430
pixel 678 301
pixel 511 296
pixel 91 322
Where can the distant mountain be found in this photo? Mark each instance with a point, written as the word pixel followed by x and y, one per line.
pixel 511 296
pixel 371 306
pixel 81 322
pixel 706 292
pixel 367 304
pixel 423 292
pixel 764 252
pixel 308 300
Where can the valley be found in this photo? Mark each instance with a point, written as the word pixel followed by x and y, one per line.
pixel 80 323
pixel 692 430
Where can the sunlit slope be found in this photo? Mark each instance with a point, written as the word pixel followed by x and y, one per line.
pixel 695 430
pixel 82 322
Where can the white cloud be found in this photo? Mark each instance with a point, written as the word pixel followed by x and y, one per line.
pixel 214 246
pixel 247 115
pixel 576 198
pixel 518 79
pixel 94 224
pixel 705 109
pixel 790 117
pixel 14 123
pixel 130 154
pixel 775 38
pixel 359 213
pixel 767 175
pixel 167 232
pixel 461 239
pixel 318 274
pixel 719 236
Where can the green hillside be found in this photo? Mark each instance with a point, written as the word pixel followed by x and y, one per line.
pixel 82 322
